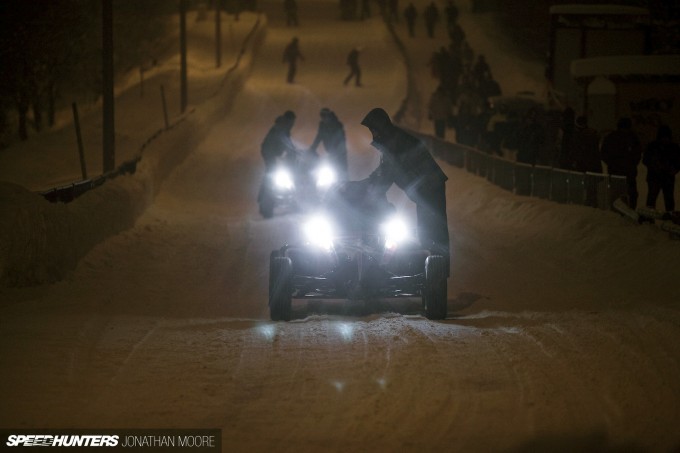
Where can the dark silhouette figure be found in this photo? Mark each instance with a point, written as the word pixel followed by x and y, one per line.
pixel 407 162
pixel 354 69
pixel 440 110
pixel 621 151
pixel 277 142
pixel 291 9
pixel 662 159
pixel 411 14
pixel 451 14
pixel 567 129
pixel 431 16
pixel 291 55
pixel 531 138
pixel 586 150
pixel 365 9
pixel 331 134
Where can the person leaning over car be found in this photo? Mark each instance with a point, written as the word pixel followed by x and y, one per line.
pixel 407 162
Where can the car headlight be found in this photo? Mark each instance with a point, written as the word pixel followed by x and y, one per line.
pixel 325 177
pixel 395 231
pixel 283 179
pixel 319 232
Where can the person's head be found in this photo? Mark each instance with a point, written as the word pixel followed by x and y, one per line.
pixel 286 120
pixel 624 123
pixel 326 114
pixel 379 123
pixel 581 121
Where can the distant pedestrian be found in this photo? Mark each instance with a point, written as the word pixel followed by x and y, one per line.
pixel 411 14
pixel 440 110
pixel 354 69
pixel 365 9
pixel 662 159
pixel 621 151
pixel 567 128
pixel 291 9
pixel 531 138
pixel 291 55
pixel 331 134
pixel 431 15
pixel 451 14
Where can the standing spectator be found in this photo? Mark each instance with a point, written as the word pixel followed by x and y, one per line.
pixel 411 14
pixel 586 151
pixel 451 14
pixel 277 142
pixel 440 110
pixel 354 69
pixel 586 155
pixel 431 16
pixel 481 70
pixel 291 9
pixel 662 159
pixel 365 9
pixel 567 128
pixel 621 151
pixel 331 133
pixel 393 10
pixel 531 138
pixel 291 55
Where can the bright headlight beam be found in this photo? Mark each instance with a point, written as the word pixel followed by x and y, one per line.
pixel 318 231
pixel 283 179
pixel 325 176
pixel 395 231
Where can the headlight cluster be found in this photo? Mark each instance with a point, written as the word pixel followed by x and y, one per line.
pixel 395 231
pixel 283 180
pixel 319 232
pixel 325 177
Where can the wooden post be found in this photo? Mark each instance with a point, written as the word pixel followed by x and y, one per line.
pixel 165 108
pixel 81 151
pixel 218 36
pixel 183 54
pixel 109 156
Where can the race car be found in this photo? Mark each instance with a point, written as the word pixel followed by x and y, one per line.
pixel 357 251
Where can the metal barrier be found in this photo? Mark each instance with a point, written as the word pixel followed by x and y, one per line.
pixel 562 186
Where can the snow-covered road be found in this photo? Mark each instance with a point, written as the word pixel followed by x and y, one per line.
pixel 563 329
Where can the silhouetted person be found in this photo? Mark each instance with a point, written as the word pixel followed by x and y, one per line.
pixel 291 55
pixel 411 14
pixel 407 162
pixel 586 150
pixel 451 13
pixel 331 134
pixel 365 9
pixel 431 16
pixel 567 128
pixel 662 159
pixel 586 155
pixel 354 69
pixel 277 142
pixel 291 9
pixel 621 151
pixel 531 138
pixel 440 110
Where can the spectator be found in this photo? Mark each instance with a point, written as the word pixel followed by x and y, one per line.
pixel 331 134
pixel 531 138
pixel 354 69
pixel 586 151
pixel 291 55
pixel 662 159
pixel 410 14
pixel 451 14
pixel 567 130
pixel 365 9
pixel 431 15
pixel 621 151
pixel 440 110
pixel 277 142
pixel 291 9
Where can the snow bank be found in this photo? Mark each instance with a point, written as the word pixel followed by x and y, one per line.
pixel 41 242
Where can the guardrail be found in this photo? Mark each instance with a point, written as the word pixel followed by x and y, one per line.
pixel 562 186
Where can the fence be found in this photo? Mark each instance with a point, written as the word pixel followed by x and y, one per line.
pixel 555 184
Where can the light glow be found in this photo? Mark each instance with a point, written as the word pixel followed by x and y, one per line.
pixel 395 231
pixel 319 232
pixel 283 179
pixel 325 177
